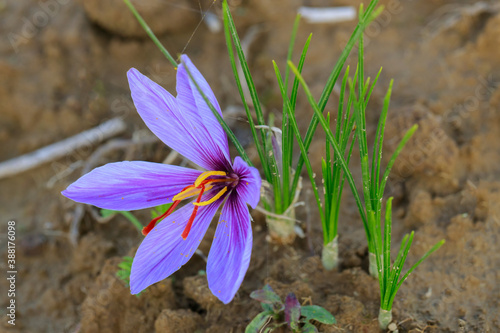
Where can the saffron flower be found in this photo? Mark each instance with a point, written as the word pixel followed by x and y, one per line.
pixel 186 124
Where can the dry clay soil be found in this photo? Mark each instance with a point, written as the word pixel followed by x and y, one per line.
pixel 64 72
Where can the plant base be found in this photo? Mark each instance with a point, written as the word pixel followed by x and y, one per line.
pixel 282 230
pixel 384 318
pixel 330 254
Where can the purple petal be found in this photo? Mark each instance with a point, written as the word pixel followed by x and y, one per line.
pixel 161 113
pixel 131 185
pixel 192 104
pixel 249 186
pixel 229 256
pixel 163 251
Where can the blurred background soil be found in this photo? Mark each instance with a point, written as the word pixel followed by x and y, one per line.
pixel 63 70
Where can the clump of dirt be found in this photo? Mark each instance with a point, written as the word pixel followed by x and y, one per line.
pixel 182 321
pixel 109 307
pixel 113 16
pixel 66 73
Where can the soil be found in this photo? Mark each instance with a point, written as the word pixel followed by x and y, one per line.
pixel 62 71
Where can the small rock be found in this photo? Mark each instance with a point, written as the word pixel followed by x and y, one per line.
pixel 196 288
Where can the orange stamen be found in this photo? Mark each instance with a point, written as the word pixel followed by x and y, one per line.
pixel 201 178
pixel 224 180
pixel 189 192
pixel 214 198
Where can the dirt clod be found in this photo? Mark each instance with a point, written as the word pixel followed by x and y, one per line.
pixel 115 17
pixel 177 321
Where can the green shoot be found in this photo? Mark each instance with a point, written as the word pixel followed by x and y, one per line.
pixel 282 180
pixel 124 270
pixel 275 153
pixel 293 123
pixel 125 267
pixel 333 177
pixel 373 185
pixel 389 276
pixel 288 313
pixel 332 141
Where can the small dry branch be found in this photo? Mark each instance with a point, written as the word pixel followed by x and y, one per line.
pixel 60 149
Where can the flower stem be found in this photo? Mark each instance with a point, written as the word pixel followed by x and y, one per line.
pixel 330 254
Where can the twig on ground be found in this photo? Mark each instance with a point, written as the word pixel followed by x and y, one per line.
pixel 201 254
pixel 271 214
pixel 171 157
pixel 64 173
pixel 96 216
pixel 62 148
pixel 74 229
pixel 328 14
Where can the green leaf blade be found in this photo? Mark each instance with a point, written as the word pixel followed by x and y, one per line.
pixel 318 313
pixel 259 322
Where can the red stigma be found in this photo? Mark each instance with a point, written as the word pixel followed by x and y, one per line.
pixel 186 231
pixel 147 229
pixel 152 224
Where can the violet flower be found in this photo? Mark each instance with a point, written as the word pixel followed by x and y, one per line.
pixel 186 124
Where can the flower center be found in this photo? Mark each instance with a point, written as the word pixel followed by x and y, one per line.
pixel 202 184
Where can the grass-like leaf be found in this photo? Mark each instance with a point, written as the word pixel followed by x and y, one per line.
pixel 287 136
pixel 333 142
pixel 390 280
pixel 295 127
